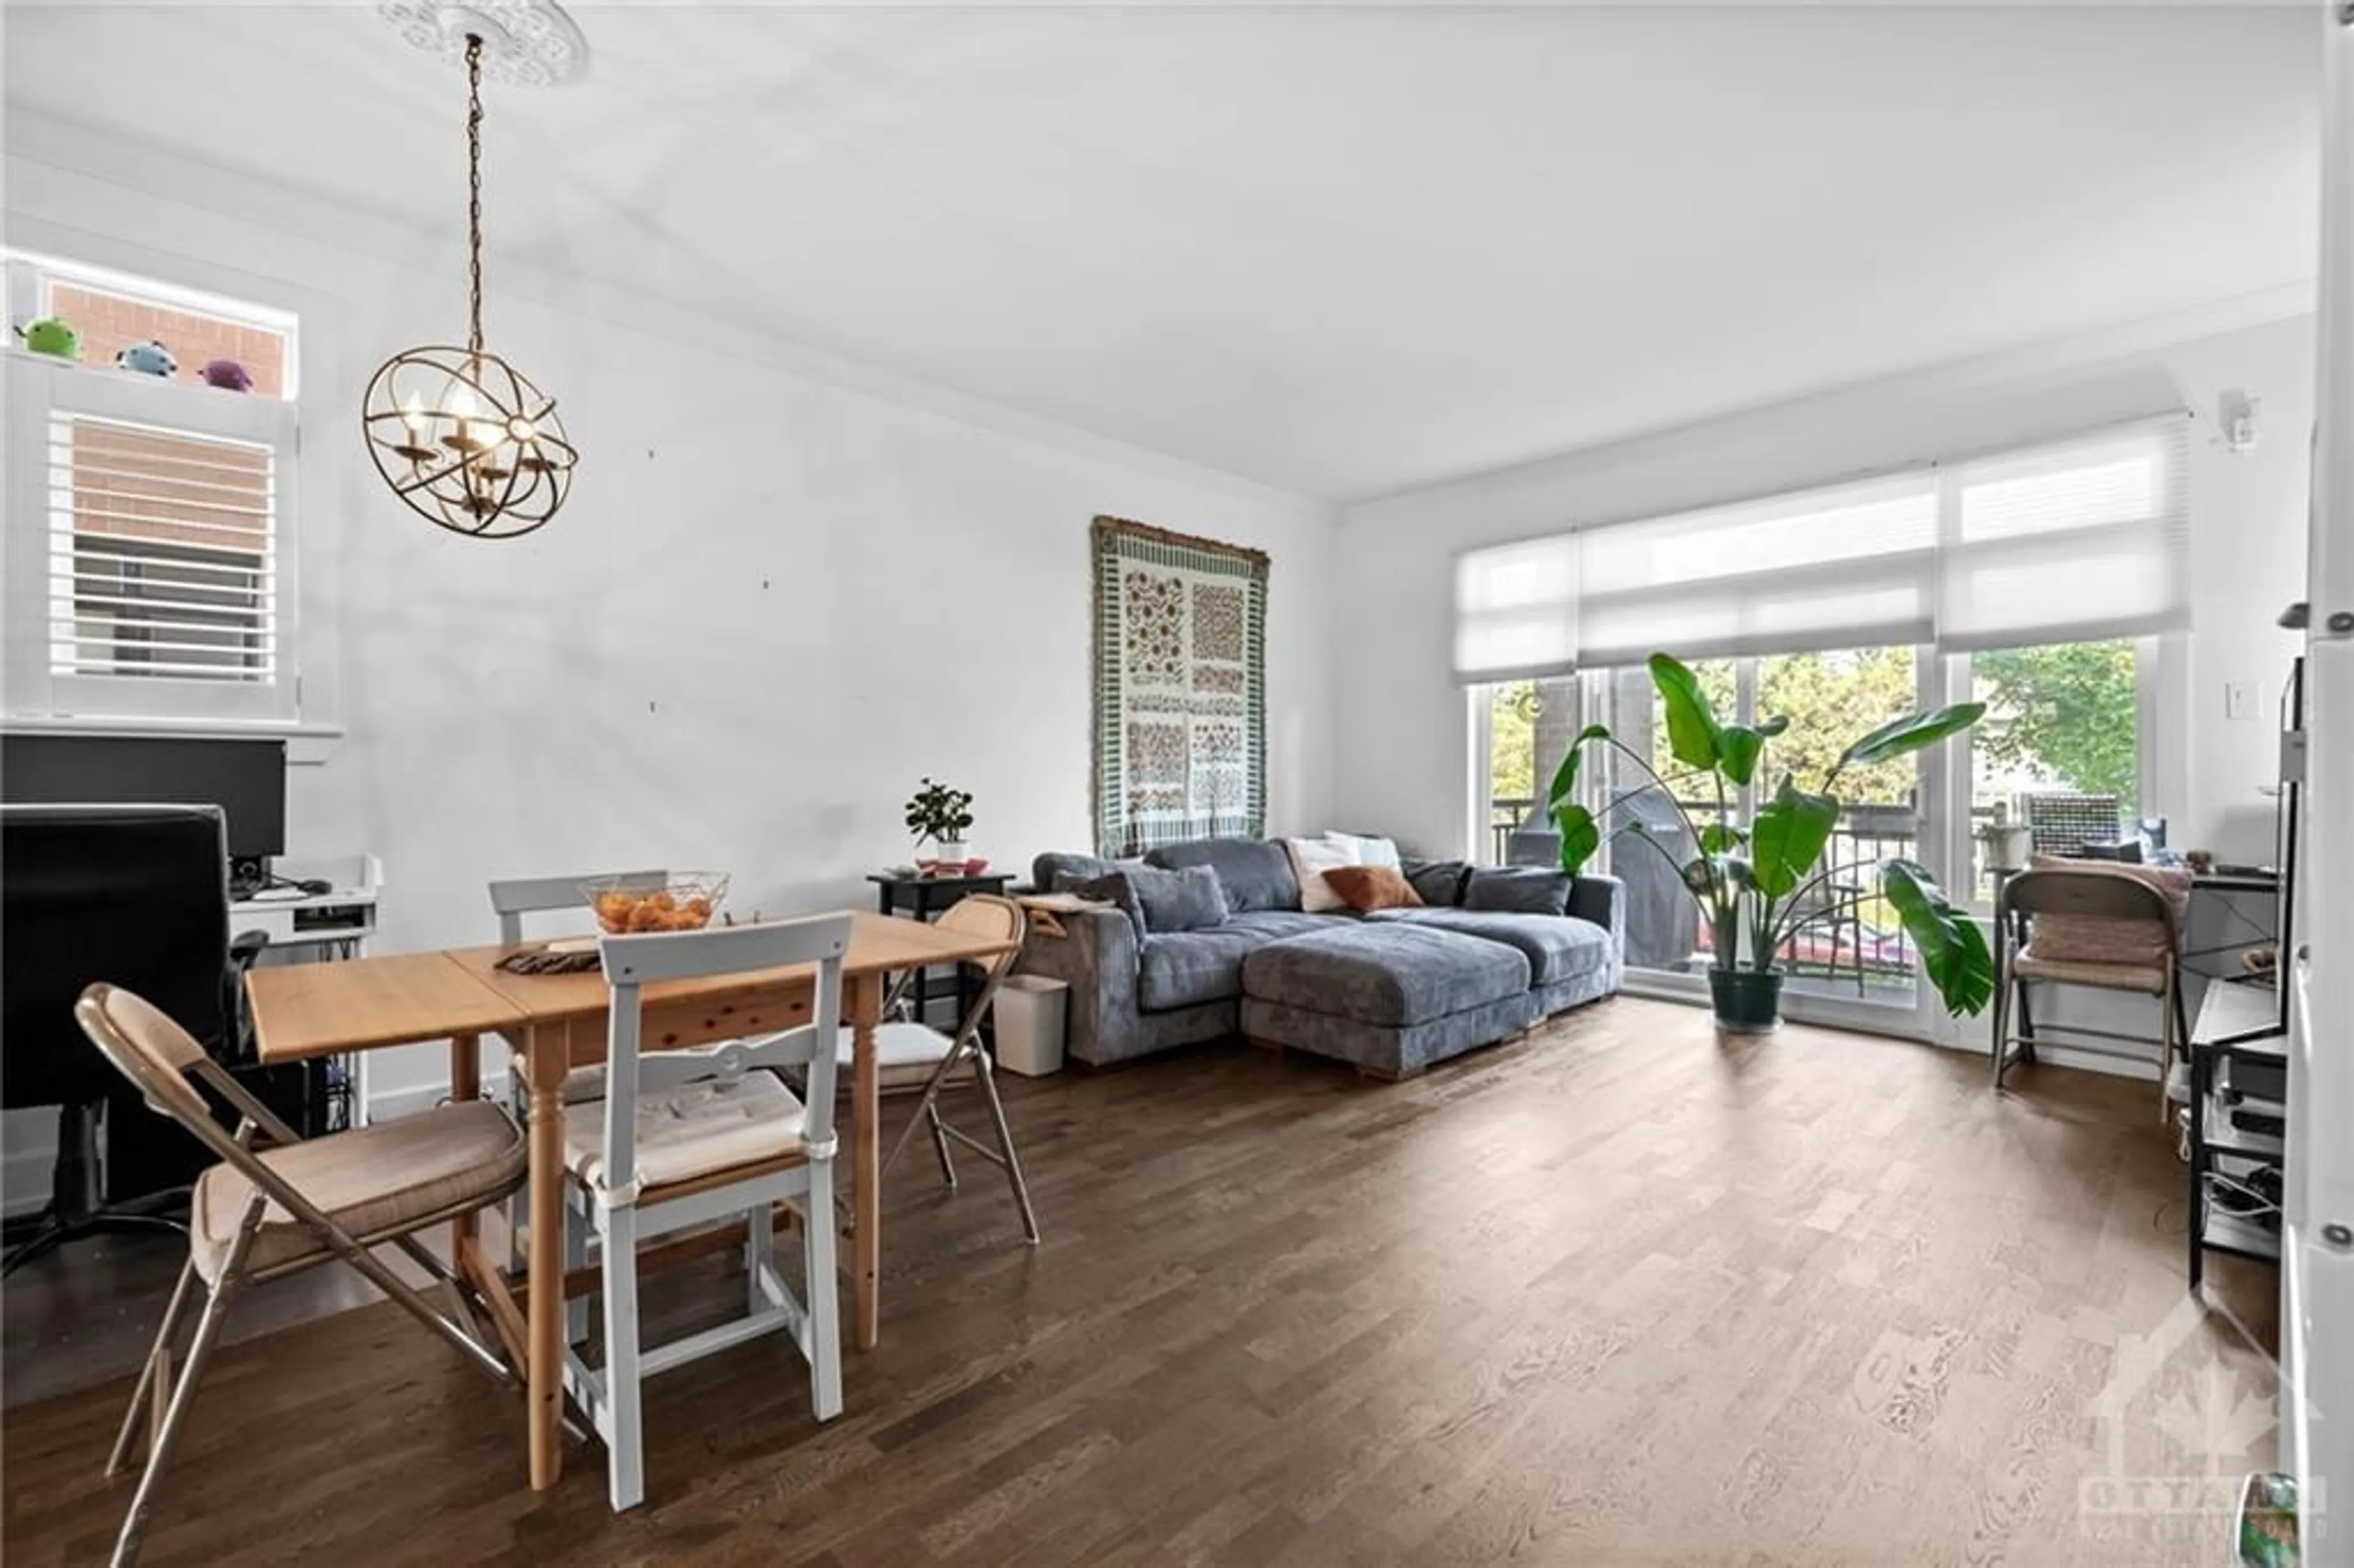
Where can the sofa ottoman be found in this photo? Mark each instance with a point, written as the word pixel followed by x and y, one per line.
pixel 1388 997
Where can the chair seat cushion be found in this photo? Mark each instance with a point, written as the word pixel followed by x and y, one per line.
pixel 373 1182
pixel 2030 965
pixel 905 1056
pixel 692 1130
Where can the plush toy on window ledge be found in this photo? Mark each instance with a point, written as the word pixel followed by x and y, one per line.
pixel 228 375
pixel 149 358
pixel 52 335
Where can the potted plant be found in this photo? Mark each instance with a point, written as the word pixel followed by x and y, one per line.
pixel 1756 881
pixel 940 814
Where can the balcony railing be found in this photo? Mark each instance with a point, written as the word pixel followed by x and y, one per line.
pixel 1856 939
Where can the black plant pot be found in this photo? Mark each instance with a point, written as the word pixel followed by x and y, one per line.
pixel 1747 1001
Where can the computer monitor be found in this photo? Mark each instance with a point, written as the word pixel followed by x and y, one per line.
pixel 245 778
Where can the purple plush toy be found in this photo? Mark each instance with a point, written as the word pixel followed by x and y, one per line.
pixel 228 375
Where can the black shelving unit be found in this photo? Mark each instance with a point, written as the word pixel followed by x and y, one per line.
pixel 2239 1064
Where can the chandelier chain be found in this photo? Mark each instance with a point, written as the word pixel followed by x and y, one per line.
pixel 474 192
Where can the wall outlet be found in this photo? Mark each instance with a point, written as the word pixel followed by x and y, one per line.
pixel 2239 699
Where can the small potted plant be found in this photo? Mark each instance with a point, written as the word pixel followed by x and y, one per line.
pixel 941 814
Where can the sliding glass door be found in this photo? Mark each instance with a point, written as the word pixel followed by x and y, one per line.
pixel 1849 959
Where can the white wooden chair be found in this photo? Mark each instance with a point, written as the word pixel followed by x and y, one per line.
pixel 917 1053
pixel 263 1213
pixel 671 1147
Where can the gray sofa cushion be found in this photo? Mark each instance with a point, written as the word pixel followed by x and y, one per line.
pixel 1519 890
pixel 1061 871
pixel 1437 882
pixel 1273 924
pixel 1385 972
pixel 1558 947
pixel 1186 969
pixel 1161 901
pixel 1255 872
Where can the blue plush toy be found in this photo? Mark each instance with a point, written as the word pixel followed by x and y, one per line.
pixel 149 358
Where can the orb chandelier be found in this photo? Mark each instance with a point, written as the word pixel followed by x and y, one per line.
pixel 464 437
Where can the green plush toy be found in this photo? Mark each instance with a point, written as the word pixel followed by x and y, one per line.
pixel 52 335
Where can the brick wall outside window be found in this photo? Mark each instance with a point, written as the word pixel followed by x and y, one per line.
pixel 110 323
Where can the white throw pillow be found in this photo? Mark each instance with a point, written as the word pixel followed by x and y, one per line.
pixel 1311 859
pixel 1370 852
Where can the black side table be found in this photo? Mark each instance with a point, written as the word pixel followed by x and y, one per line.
pixel 925 898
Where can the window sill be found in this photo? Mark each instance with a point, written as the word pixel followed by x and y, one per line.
pixel 113 724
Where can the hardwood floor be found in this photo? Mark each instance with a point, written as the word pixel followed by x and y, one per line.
pixel 1615 1293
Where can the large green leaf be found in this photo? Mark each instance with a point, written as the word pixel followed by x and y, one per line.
pixel 1692 726
pixel 1718 837
pixel 1580 836
pixel 1564 778
pixel 1788 835
pixel 1953 949
pixel 1739 746
pixel 1909 733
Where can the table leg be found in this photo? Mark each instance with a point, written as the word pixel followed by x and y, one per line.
pixel 466 1083
pixel 545 1061
pixel 866 1160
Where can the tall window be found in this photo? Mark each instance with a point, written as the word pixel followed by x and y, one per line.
pixel 150 520
pixel 1851 945
pixel 1526 726
pixel 2065 717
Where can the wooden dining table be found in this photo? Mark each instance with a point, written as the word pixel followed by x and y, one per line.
pixel 553 1023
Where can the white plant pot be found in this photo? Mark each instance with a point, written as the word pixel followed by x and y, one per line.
pixel 952 850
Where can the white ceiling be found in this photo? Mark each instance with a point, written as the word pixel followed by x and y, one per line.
pixel 1342 250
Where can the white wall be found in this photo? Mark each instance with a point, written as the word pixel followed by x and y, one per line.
pixel 1401 758
pixel 783 587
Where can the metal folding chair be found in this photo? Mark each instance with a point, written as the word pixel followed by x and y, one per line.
pixel 2102 895
pixel 903 1047
pixel 262 1215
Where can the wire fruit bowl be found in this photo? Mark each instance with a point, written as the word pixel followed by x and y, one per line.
pixel 685 902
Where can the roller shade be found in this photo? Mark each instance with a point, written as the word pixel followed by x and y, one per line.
pixel 1516 611
pixel 1847 567
pixel 2076 540
pixel 2068 543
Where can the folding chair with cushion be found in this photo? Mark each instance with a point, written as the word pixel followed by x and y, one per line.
pixel 906 1050
pixel 261 1215
pixel 2112 927
pixel 671 1146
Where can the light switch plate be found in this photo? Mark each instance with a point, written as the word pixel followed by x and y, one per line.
pixel 2239 699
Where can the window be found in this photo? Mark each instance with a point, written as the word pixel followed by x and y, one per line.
pixel 150 532
pixel 1525 725
pixel 2063 717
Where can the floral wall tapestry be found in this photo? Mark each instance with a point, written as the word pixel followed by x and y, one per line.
pixel 1181 688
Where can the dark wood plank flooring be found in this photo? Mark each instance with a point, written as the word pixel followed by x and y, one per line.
pixel 1614 1293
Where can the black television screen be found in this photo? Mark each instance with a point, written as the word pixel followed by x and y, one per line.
pixel 245 778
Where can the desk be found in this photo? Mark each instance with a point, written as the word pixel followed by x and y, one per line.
pixel 556 1022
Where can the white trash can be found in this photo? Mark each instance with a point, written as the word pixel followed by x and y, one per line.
pixel 1030 1011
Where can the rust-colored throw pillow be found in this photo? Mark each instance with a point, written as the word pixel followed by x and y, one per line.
pixel 1369 887
pixel 2091 940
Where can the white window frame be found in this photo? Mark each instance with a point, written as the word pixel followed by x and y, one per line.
pixel 40 386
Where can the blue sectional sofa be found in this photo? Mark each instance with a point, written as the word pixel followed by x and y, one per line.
pixel 1390 992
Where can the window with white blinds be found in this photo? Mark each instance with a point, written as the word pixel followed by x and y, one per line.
pixel 2076 541
pixel 161 548
pixel 151 528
